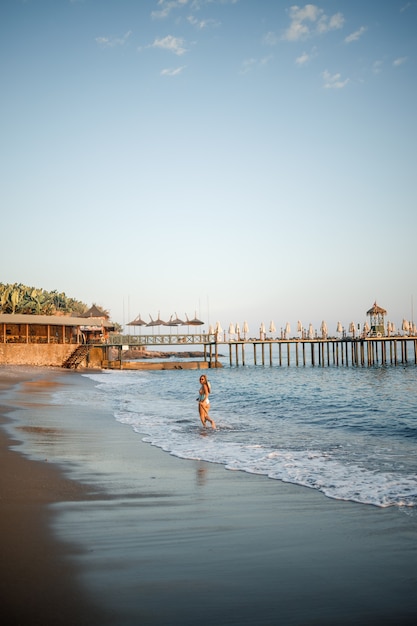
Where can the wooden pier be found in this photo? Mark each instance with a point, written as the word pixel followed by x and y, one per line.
pixel 363 352
pixel 346 351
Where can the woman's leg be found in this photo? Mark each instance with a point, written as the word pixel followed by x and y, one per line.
pixel 203 413
pixel 208 418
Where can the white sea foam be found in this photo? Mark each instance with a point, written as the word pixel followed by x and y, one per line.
pixel 333 433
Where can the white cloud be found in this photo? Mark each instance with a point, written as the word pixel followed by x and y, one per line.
pixel 356 34
pixel 247 65
pixel 302 59
pixel 333 81
pixel 309 21
pixel 112 42
pixel 170 43
pixel 399 61
pixel 270 39
pixel 201 24
pixel 306 57
pixel 172 71
pixel 252 63
pixel 166 7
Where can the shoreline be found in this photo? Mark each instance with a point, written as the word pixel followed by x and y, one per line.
pixel 181 541
pixel 38 583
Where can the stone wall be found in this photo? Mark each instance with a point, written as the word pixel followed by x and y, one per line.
pixel 45 354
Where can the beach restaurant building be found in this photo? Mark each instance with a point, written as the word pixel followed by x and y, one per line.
pixel 53 329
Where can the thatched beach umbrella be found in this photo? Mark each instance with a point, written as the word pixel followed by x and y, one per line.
pixel 138 321
pixel 158 322
pixel 324 330
pixel 287 330
pixel 173 322
pixel 245 329
pixel 177 321
pixel 194 322
pixel 311 331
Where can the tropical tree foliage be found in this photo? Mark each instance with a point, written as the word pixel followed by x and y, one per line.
pixel 18 298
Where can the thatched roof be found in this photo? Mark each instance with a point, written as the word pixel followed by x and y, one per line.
pixel 54 320
pixel 376 310
pixel 94 311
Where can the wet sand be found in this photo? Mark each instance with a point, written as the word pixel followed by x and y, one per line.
pixel 38 584
pixel 185 542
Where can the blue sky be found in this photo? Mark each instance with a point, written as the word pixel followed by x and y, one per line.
pixel 241 159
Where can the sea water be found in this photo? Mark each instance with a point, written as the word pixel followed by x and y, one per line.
pixel 348 432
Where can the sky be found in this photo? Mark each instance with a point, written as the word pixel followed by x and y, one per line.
pixel 231 159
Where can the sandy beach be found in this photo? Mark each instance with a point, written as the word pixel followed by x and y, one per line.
pixel 179 542
pixel 37 584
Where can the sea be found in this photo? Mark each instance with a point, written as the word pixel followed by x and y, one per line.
pixel 347 432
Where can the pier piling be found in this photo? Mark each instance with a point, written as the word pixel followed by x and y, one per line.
pixel 347 352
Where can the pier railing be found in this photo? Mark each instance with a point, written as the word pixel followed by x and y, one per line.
pixel 162 340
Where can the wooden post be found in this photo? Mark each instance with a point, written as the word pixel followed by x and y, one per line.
pixel 263 352
pixel 254 353
pixel 270 353
pixel 280 353
pixel 312 353
pixel 243 354
pixel 230 354
pixel 237 354
pixel 288 354
pixel 296 354
pixel 304 354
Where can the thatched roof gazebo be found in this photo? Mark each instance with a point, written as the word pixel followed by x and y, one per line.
pixel 376 314
pixel 95 311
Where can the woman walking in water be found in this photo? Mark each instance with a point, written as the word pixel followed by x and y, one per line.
pixel 204 402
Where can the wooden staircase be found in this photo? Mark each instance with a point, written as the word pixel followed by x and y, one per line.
pixel 76 357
